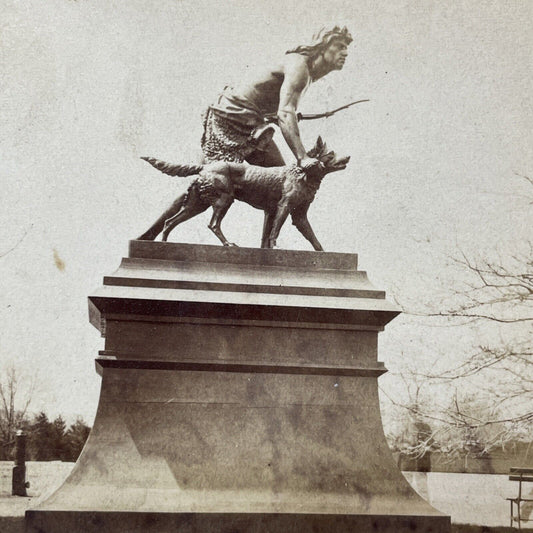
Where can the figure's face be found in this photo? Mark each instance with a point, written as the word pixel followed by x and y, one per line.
pixel 335 54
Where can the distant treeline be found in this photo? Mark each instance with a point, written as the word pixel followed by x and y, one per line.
pixel 496 461
pixel 48 440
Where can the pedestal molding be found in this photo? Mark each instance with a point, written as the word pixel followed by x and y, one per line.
pixel 242 255
pixel 237 322
pixel 240 287
pixel 108 361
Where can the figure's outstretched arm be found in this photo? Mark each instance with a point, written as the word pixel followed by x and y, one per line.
pixel 296 80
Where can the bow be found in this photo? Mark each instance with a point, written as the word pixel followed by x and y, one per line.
pixel 274 118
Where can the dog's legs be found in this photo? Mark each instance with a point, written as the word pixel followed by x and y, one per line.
pixel 267 228
pixel 280 218
pixel 220 209
pixel 300 220
pixel 193 206
pixel 157 227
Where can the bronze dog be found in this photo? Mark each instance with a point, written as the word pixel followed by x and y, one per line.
pixel 278 191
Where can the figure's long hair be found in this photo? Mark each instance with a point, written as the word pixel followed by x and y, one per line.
pixel 322 40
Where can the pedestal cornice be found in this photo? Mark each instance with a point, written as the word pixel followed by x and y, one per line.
pixel 214 282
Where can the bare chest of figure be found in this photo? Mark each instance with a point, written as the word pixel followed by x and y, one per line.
pixel 262 88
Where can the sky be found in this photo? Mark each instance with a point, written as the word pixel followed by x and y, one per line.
pixel 89 86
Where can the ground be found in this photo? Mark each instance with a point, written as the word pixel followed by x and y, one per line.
pixel 475 499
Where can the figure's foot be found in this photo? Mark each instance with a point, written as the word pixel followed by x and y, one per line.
pixel 230 244
pixel 148 236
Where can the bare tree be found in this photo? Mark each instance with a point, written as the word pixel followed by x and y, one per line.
pixel 407 429
pixel 490 389
pixel 15 397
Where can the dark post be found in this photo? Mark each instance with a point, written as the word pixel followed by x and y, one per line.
pixel 20 485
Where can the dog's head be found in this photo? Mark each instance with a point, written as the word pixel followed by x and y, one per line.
pixel 329 162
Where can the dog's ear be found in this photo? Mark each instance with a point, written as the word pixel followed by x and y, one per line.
pixel 317 148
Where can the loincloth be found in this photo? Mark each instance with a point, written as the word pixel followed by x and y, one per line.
pixel 229 127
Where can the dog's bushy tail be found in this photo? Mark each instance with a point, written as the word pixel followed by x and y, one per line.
pixel 174 170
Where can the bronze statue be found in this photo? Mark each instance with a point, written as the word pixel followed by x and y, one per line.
pixel 236 127
pixel 278 191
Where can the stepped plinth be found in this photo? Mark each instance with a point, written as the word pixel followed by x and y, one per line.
pixel 239 394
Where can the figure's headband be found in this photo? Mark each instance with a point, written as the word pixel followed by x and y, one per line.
pixel 322 39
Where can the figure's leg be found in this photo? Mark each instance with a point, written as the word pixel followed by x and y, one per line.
pixel 156 228
pixel 270 157
pixel 193 206
pixel 267 228
pixel 186 213
pixel 302 223
pixel 220 209
pixel 279 220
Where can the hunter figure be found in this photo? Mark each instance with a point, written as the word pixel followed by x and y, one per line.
pixel 236 127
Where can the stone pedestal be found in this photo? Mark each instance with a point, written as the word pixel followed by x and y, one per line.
pixel 239 394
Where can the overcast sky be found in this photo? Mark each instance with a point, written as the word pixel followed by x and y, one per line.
pixel 88 86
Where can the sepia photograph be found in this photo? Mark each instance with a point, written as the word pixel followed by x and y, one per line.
pixel 266 267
